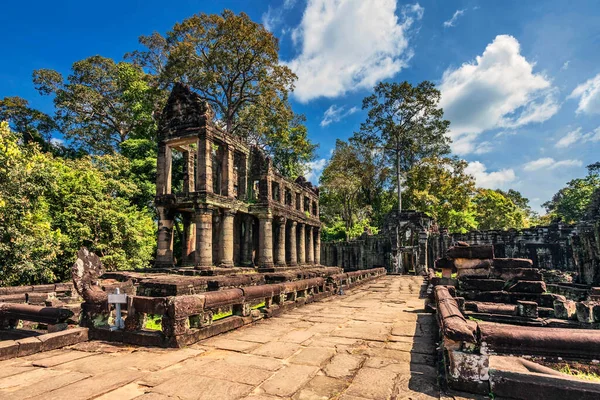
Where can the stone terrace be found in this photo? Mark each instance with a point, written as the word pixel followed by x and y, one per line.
pixel 375 342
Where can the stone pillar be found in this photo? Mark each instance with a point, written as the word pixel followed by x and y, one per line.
pixel 265 242
pixel 247 245
pixel 317 237
pixel 227 182
pixel 310 246
pixel 204 173
pixel 164 245
pixel 188 245
pixel 301 244
pixel 204 236
pixel 188 172
pixel 163 170
pixel 292 255
pixel 280 253
pixel 243 178
pixel 226 239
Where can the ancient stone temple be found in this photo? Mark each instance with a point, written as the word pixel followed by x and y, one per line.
pixel 235 208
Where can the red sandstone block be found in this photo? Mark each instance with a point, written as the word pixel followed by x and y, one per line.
pixel 29 346
pixel 8 349
pixel 482 252
pixel 51 341
pixel 507 263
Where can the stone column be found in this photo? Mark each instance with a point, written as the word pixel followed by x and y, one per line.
pixel 317 238
pixel 226 239
pixel 247 245
pixel 164 245
pixel 310 246
pixel 227 182
pixel 301 244
pixel 292 255
pixel 265 242
pixel 204 236
pixel 204 173
pixel 188 172
pixel 163 170
pixel 188 245
pixel 280 253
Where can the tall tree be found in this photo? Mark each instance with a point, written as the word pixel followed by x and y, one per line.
pixel 497 211
pixel 440 187
pixel 406 122
pixel 33 125
pixel 571 202
pixel 102 103
pixel 233 64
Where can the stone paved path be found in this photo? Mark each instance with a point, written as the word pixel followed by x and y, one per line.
pixel 375 342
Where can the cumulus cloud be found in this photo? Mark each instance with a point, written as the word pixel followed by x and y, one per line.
pixel 577 136
pixel 274 16
pixel 588 94
pixel 350 45
pixel 490 180
pixel 452 21
pixel 336 114
pixel 315 168
pixel 498 90
pixel 549 163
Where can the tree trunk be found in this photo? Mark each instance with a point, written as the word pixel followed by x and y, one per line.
pixel 398 178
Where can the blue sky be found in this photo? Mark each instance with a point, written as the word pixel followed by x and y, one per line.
pixel 520 80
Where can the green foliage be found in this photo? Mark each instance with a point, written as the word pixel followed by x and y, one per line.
pixel 49 207
pixel 571 202
pixel 34 126
pixel 153 322
pixel 404 121
pixel 588 376
pixel 495 210
pixel 233 64
pixel 102 103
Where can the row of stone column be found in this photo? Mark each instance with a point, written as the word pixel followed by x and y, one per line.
pixel 289 249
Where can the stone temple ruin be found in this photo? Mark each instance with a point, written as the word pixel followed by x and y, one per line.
pixel 504 315
pixel 237 210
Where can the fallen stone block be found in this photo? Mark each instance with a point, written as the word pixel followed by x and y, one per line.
pixel 528 287
pixel 8 349
pixel 528 309
pixel 60 339
pixel 526 274
pixel 484 285
pixel 508 263
pixel 565 309
pixel 585 311
pixel 29 346
pixel 481 251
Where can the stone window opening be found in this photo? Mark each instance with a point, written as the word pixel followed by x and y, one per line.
pixel 275 191
pixel 288 197
pixel 306 204
pixel 314 208
pixel 217 167
pixel 255 190
pixel 298 201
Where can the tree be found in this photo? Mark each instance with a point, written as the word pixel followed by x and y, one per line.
pixel 440 187
pixel 497 211
pixel 50 206
pixel 405 121
pixel 233 64
pixel 571 202
pixel 34 126
pixel 102 103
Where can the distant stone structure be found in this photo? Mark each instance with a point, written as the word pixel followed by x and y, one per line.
pixel 237 210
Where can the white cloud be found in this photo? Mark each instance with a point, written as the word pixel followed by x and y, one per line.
pixel 490 180
pixel 314 170
pixel 549 163
pixel 336 114
pixel 565 65
pixel 452 21
pixel 577 136
pixel 588 94
pixel 497 90
pixel 57 141
pixel 274 16
pixel 348 45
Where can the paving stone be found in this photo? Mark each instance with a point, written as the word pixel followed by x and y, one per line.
pixel 277 349
pixel 194 387
pixel 416 387
pixel 320 388
pixel 64 356
pixel 249 360
pixel 127 392
pixel 372 384
pixel 343 365
pixel 40 387
pixel 228 344
pixel 298 336
pixel 288 380
pixel 315 356
pixel 234 373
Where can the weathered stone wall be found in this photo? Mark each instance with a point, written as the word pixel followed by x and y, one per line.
pixel 368 251
pixel 586 244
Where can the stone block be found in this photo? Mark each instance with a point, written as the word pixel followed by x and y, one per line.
pixel 528 309
pixel 527 274
pixel 585 311
pixel 484 285
pixel 69 337
pixel 509 263
pixel 8 349
pixel 29 346
pixel 565 309
pixel 528 287
pixel 480 251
